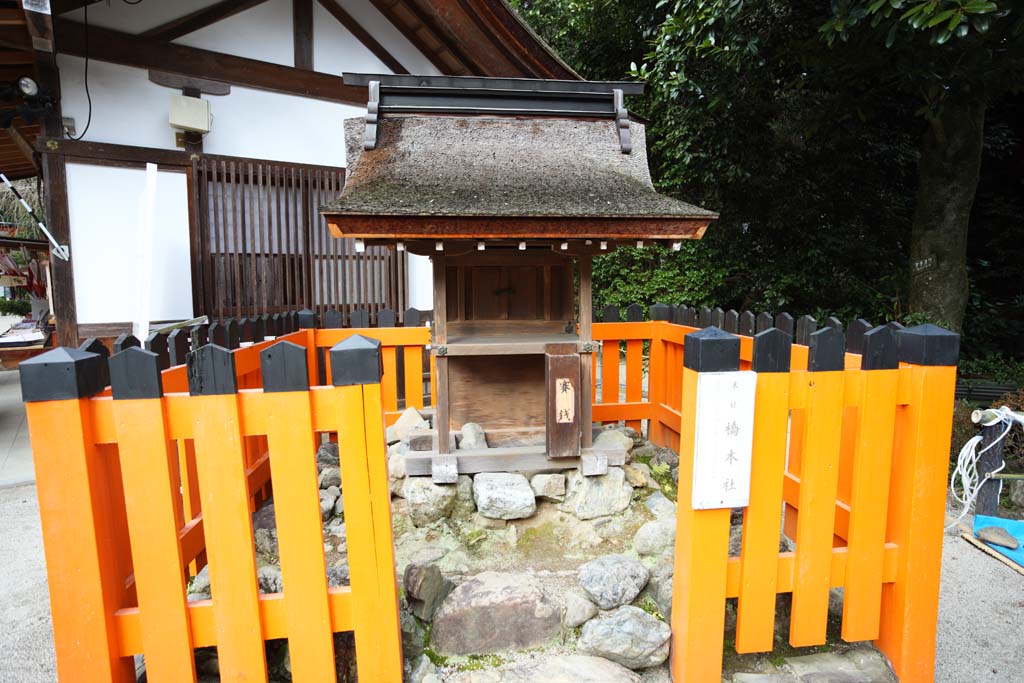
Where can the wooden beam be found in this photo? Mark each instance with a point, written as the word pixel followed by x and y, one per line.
pixel 112 152
pixel 65 308
pixel 302 29
pixel 201 18
pixel 15 37
pixel 412 34
pixel 12 17
pixel 65 6
pixel 363 36
pixel 23 146
pixel 106 45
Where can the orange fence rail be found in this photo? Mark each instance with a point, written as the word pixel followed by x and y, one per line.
pixel 144 482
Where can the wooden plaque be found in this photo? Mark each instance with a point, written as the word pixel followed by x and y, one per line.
pixel 562 378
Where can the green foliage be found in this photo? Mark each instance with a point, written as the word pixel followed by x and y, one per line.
pixel 15 307
pixel 995 367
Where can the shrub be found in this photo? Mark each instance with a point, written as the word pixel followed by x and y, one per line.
pixel 15 307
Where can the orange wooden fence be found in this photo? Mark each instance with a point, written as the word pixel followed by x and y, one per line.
pixel 142 484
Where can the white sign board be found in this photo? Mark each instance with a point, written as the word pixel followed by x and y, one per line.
pixel 724 439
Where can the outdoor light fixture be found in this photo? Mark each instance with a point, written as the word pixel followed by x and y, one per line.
pixel 565 245
pixel 28 87
pixel 676 246
pixel 400 246
pixel 360 246
pixel 522 246
pixel 639 244
pixel 439 246
pixel 480 246
pixel 604 245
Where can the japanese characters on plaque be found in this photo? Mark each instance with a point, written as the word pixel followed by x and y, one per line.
pixel 565 401
pixel 724 439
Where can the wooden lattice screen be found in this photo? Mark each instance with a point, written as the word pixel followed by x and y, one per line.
pixel 262 247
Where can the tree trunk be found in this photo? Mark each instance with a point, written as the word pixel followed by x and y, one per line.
pixel 947 182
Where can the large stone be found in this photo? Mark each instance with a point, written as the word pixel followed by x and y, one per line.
pixel 503 495
pixel 338 575
pixel 396 466
pixel 578 609
pixel 552 669
pixel 425 589
pixel 636 476
pixel 328 497
pixel 660 586
pixel 590 497
pixel 421 668
pixel 628 636
pixel 330 476
pixel 861 665
pixel 327 455
pixel 613 580
pixel 763 678
pixel 465 506
pixel 1017 492
pixel 657 537
pixel 414 635
pixel 268 579
pixel 493 612
pixel 200 589
pixel 473 437
pixel 613 439
pixel 427 502
pixel 409 420
pixel 549 486
pixel 660 506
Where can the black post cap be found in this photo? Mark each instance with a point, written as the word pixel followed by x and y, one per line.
pixel 677 314
pixel 611 314
pixel 784 321
pixel 772 350
pixel 125 341
pixel 259 329
pixel 711 350
pixel 135 373
pixel 764 321
pixel 827 350
pixel 412 318
pixel 307 319
pixel 928 345
pixel 60 374
pixel 634 313
pixel 878 349
pixel 660 312
pixel 157 343
pixel 94 345
pixel 748 323
pixel 284 368
pixel 268 328
pixel 690 317
pixel 359 317
pixel 356 360
pixel 386 318
pixel 277 321
pixel 332 320
pixel 245 330
pixel 178 345
pixel 896 325
pixel 805 327
pixel 200 335
pixel 705 317
pixel 731 323
pixel 218 334
pixel 834 322
pixel 232 334
pixel 718 317
pixel 211 371
pixel 855 332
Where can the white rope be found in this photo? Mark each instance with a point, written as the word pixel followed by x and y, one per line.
pixel 966 470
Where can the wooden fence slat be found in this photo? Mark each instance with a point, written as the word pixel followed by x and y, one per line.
pixel 413 362
pixel 634 376
pixel 147 458
pixel 610 371
pixel 389 380
pixel 297 511
pixel 227 524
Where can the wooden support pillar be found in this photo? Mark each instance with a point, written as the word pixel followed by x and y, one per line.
pixel 586 358
pixel 440 339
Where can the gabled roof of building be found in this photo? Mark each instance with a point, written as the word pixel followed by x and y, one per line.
pixel 489 157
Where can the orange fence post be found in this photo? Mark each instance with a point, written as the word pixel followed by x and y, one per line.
pixel 76 515
pixel 818 485
pixel 656 375
pixel 869 486
pixel 227 522
pixel 702 536
pixel 148 470
pixel 297 511
pixel 755 623
pixel 356 374
pixel 917 502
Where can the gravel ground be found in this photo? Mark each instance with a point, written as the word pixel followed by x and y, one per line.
pixel 981 614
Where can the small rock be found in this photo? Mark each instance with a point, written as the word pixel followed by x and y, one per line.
pixel 613 580
pixel 396 466
pixel 503 495
pixel 665 456
pixel 421 668
pixel 199 589
pixel 339 506
pixel 628 636
pixel 657 537
pixel 473 437
pixel 327 455
pixel 425 589
pixel 268 579
pixel 660 506
pixel 637 437
pixel 613 438
pixel 465 506
pixel 590 497
pixel 997 536
pixel 645 470
pixel 660 586
pixel 330 476
pixel 427 501
pixel 479 520
pixel 578 609
pixel 549 486
pixel 266 542
pixel 635 476
pixel 1017 492
pixel 264 517
pixel 328 498
pixel 493 612
pixel 337 575
pixel 551 669
pixel 431 678
pixel 414 635
pixel 763 678
pixel 409 419
pixel 829 667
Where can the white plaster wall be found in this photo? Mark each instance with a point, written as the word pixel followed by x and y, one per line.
pixel 104 209
pixel 262 32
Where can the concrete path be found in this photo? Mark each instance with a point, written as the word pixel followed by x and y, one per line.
pixel 15 453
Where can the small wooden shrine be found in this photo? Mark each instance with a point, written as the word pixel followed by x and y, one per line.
pixel 510 186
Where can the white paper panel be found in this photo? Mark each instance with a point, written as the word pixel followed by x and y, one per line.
pixel 724 439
